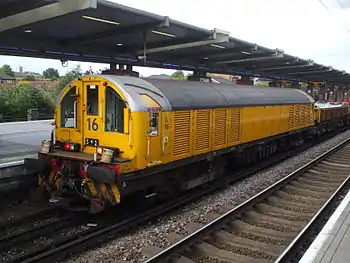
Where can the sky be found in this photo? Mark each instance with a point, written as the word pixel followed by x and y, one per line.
pixel 309 29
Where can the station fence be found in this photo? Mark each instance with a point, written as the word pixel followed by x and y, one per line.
pixel 32 114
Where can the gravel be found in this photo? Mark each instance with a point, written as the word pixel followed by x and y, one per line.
pixel 131 247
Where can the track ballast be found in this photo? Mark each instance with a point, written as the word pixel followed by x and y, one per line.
pixel 266 227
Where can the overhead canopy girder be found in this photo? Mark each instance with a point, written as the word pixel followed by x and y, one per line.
pixel 312 71
pixel 212 54
pixel 142 27
pixel 309 64
pixel 60 8
pixel 217 37
pixel 277 55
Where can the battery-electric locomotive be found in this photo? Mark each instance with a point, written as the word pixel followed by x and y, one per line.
pixel 119 135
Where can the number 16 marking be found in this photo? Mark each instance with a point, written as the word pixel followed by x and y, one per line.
pixel 92 124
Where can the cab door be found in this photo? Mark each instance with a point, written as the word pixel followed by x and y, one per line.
pixel 69 115
pixel 92 114
pixel 154 148
pixel 154 138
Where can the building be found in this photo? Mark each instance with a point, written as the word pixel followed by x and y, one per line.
pixel 7 80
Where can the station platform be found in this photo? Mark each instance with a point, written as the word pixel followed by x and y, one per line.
pixel 332 245
pixel 22 139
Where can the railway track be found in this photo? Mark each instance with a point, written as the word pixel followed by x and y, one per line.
pixel 270 226
pixel 61 246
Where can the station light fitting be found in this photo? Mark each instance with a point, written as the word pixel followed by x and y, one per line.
pixel 28 31
pixel 119 44
pixel 245 52
pixel 163 33
pixel 217 46
pixel 205 58
pixel 101 20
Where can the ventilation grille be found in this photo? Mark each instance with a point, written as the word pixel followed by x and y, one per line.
pixel 291 117
pixel 219 127
pixel 234 125
pixel 202 129
pixel 182 131
pixel 299 116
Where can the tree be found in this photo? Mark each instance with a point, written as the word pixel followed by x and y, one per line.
pixel 51 73
pixel 68 77
pixel 178 75
pixel 6 69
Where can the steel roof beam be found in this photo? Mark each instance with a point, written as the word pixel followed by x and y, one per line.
pixel 217 37
pixel 330 69
pixel 206 56
pixel 45 12
pixel 310 63
pixel 277 55
pixel 341 76
pixel 120 30
pixel 320 76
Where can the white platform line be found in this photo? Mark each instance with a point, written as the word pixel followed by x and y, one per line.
pixel 317 244
pixel 26 131
pixel 25 122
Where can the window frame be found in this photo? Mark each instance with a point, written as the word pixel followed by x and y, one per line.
pixel 124 116
pixel 74 108
pixel 153 116
pixel 87 97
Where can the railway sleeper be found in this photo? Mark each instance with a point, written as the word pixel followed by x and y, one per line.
pixel 317 181
pixel 332 167
pixel 295 198
pixel 338 160
pixel 255 217
pixel 183 259
pixel 239 226
pixel 337 164
pixel 306 191
pixel 273 219
pixel 310 187
pixel 289 205
pixel 203 252
pixel 282 213
pixel 234 241
pixel 263 238
pixel 324 176
pixel 340 155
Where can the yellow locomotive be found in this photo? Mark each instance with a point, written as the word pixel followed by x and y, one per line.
pixel 119 135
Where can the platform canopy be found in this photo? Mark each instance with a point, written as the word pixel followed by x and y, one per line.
pixel 107 32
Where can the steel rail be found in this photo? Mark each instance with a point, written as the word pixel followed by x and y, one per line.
pixel 179 246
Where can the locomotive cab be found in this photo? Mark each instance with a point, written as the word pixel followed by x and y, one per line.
pixel 91 114
pixel 105 126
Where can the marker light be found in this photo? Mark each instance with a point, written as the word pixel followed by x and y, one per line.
pixel 67 146
pixel 70 146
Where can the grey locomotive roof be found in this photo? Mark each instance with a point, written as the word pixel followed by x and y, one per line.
pixel 185 95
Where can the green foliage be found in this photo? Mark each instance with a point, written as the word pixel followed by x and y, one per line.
pixel 6 69
pixel 68 77
pixel 51 73
pixel 18 99
pixel 178 75
pixel 29 77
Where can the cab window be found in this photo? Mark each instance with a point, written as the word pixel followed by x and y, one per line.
pixel 153 123
pixel 114 111
pixel 92 100
pixel 68 109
